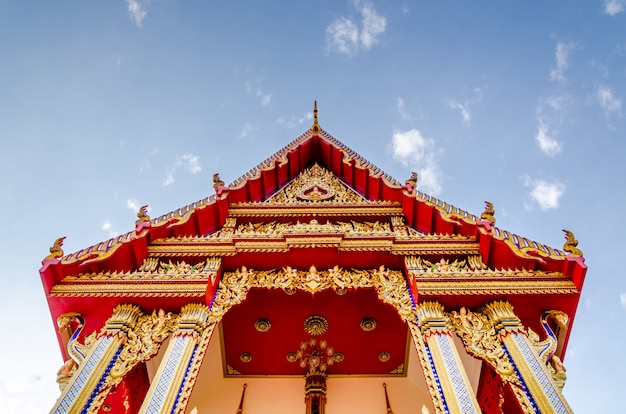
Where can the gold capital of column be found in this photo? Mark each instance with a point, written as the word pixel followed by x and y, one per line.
pixel 123 317
pixel 431 315
pixel 193 317
pixel 502 315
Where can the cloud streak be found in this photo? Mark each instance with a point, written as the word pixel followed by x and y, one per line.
pixel 548 144
pixel 463 108
pixel 345 36
pixel 562 53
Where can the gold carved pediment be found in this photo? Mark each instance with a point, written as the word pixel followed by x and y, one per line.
pixel 316 185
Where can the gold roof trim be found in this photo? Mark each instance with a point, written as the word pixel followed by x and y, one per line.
pixel 501 287
pixel 192 290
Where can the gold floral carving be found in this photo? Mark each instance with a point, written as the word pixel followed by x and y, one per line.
pixel 481 340
pixel 473 267
pixel 143 342
pixel 316 185
pixel 276 229
pixel 315 325
pixel 479 332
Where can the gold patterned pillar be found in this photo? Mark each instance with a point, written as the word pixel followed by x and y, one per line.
pixel 544 395
pixel 444 358
pixel 87 381
pixel 171 386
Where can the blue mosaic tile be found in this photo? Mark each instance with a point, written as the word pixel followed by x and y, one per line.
pixel 535 365
pixel 436 375
pixel 83 375
pixel 168 373
pixel 460 389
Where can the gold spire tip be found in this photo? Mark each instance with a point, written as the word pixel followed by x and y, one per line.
pixel 316 126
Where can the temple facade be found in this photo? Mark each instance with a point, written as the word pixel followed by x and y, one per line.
pixel 315 283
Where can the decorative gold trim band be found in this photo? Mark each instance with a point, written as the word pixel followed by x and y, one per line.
pixel 461 287
pixel 267 210
pixel 129 290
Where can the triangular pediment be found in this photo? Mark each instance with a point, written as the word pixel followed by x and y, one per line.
pixel 316 185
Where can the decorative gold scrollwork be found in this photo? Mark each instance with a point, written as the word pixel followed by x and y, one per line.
pixel 143 342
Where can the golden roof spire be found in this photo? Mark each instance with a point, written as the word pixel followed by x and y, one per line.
pixel 315 127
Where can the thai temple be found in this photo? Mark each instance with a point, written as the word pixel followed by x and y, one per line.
pixel 314 284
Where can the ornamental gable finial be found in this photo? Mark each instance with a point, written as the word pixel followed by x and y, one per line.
pixel 315 127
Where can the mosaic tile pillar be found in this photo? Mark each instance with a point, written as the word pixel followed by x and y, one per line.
pixel 444 358
pixel 89 378
pixel 176 375
pixel 544 395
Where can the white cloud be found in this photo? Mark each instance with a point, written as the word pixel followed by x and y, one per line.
pixel 373 25
pixel 463 108
pixel 608 101
pixel 548 145
pixel 132 204
pixel 169 179
pixel 562 60
pixel 546 194
pixel 253 86
pixel 246 129
pixel 189 162
pixel 622 299
pixel 106 226
pixel 614 7
pixel 136 12
pixel 344 36
pixel 559 103
pixel 294 121
pixel 414 150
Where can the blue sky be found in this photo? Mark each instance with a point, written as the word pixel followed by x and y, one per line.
pixel 105 106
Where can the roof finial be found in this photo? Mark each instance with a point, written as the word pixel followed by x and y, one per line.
pixel 315 128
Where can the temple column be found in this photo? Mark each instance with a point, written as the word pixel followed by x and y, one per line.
pixel 543 394
pixel 87 381
pixel 442 355
pixel 177 373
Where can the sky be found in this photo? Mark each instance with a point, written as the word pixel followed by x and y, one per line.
pixel 109 105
